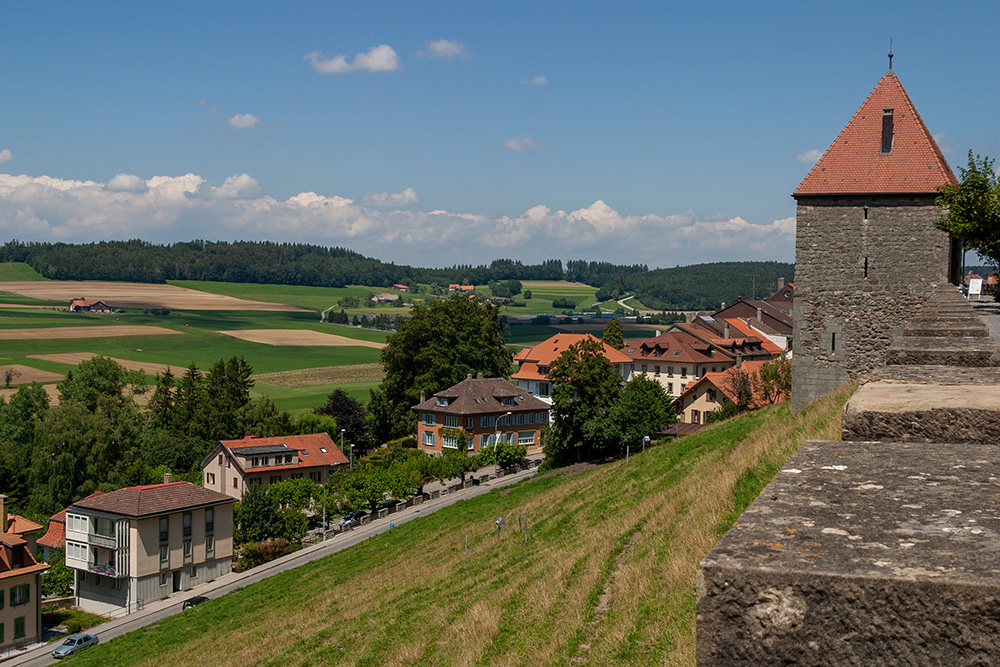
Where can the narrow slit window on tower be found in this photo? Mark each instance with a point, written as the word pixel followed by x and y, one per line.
pixel 833 342
pixel 886 131
pixel 866 267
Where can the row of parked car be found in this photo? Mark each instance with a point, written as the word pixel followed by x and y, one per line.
pixel 359 517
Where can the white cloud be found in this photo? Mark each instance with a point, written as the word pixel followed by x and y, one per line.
pixel 539 80
pixel 811 156
pixel 521 144
pixel 943 143
pixel 407 197
pixel 381 58
pixel 242 120
pixel 443 49
pixel 384 225
pixel 126 183
pixel 6 155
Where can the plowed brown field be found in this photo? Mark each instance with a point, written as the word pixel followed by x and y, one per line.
pixel 113 331
pixel 299 338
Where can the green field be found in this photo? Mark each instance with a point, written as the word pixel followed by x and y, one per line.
pixel 607 576
pixel 18 271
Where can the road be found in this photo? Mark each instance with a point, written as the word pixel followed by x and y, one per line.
pixel 156 611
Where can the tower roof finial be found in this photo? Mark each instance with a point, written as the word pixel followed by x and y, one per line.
pixel 890 54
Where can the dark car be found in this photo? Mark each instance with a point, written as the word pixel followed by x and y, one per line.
pixel 387 505
pixel 74 644
pixel 194 602
pixel 353 519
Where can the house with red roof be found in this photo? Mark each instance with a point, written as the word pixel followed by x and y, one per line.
pixel 142 543
pixel 533 364
pixel 232 464
pixel 55 533
pixel 485 410
pixel 676 358
pixel 713 391
pixel 866 248
pixel 20 591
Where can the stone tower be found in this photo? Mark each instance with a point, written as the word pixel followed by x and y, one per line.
pixel 866 250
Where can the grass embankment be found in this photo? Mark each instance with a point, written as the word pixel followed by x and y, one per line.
pixel 18 271
pixel 608 576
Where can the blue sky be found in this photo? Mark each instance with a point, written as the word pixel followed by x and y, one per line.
pixel 457 132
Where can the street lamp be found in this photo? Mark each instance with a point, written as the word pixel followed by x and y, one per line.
pixel 342 447
pixel 496 443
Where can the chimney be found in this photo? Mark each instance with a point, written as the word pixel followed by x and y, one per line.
pixel 423 396
pixel 723 306
pixel 3 514
pixel 725 331
pixel 781 282
pixel 739 298
pixel 168 478
pixel 658 332
pixel 760 314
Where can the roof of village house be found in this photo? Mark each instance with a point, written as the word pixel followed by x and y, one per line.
pixel 315 449
pixel 674 346
pixel 744 328
pixel 85 303
pixel 16 559
pixel 721 381
pixel 19 525
pixel 855 164
pixel 548 351
pixel 152 499
pixel 784 298
pixel 473 396
pixel 748 308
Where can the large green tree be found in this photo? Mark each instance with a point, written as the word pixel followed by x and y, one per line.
pixel 614 334
pixel 435 348
pixel 973 208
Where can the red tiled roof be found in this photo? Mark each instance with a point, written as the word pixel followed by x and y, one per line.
pixel 311 444
pixel 674 346
pixel 548 351
pixel 19 525
pixel 854 164
pixel 15 558
pixel 55 536
pixel 138 501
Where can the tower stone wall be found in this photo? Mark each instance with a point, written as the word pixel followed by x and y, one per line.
pixel 863 263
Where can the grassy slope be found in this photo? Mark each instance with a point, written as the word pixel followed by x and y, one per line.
pixel 607 578
pixel 18 271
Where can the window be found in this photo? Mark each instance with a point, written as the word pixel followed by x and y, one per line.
pixel 255 462
pixel 470 422
pixel 670 388
pixel 187 551
pixel 164 578
pixel 186 520
pixel 315 476
pixel 1 634
pixel 236 483
pixel 20 595
pixel 164 556
pixel 484 422
pixel 670 370
pixel 194 571
pixel 543 370
pixel 451 422
pixel 684 371
pixel 429 419
pixel 886 131
pixel 164 529
pixel 209 478
pixel 429 439
pixel 695 417
pixel 209 519
pixel 220 459
pixel 209 546
pixel 656 370
pixel 18 627
pixel 526 438
pixel 1 598
pixel 543 388
pixel 644 367
pixel 508 400
pixel 710 395
pixel 275 479
pixel 449 441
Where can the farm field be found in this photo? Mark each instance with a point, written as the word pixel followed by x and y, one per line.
pixel 18 271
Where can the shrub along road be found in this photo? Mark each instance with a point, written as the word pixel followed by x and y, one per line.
pixel 156 611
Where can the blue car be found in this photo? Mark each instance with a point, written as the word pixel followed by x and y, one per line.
pixel 74 644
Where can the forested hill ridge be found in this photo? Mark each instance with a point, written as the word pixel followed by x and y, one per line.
pixel 696 287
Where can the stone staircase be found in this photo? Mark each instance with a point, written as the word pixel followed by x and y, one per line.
pixel 883 548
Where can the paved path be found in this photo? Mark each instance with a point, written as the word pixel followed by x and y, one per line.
pixel 156 611
pixel 989 311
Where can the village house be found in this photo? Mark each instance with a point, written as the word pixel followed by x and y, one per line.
pixel 20 580
pixel 486 409
pixel 533 364
pixel 675 359
pixel 386 297
pixel 232 464
pixel 401 287
pixel 455 287
pixel 711 393
pixel 89 306
pixel 142 543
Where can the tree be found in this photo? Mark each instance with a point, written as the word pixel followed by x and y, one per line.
pixel 350 416
pixel 258 515
pixel 614 334
pixel 642 409
pixel 8 376
pixel 434 349
pixel 585 386
pixel 973 208
pixel 502 452
pixel 773 381
pixel 295 493
pixel 58 581
pixel 740 387
pixel 101 380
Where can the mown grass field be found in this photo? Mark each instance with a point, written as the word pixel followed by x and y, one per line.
pixel 607 577
pixel 18 271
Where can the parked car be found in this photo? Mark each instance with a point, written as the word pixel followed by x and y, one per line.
pixel 193 602
pixel 388 504
pixel 74 644
pixel 353 519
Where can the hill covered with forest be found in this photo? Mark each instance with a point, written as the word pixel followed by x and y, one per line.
pixel 695 287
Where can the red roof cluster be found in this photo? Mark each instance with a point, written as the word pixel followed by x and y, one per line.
pixel 855 163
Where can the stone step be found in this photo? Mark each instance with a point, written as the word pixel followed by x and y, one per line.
pixel 860 554
pixel 954 351
pixel 926 374
pixel 971 327
pixel 904 412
